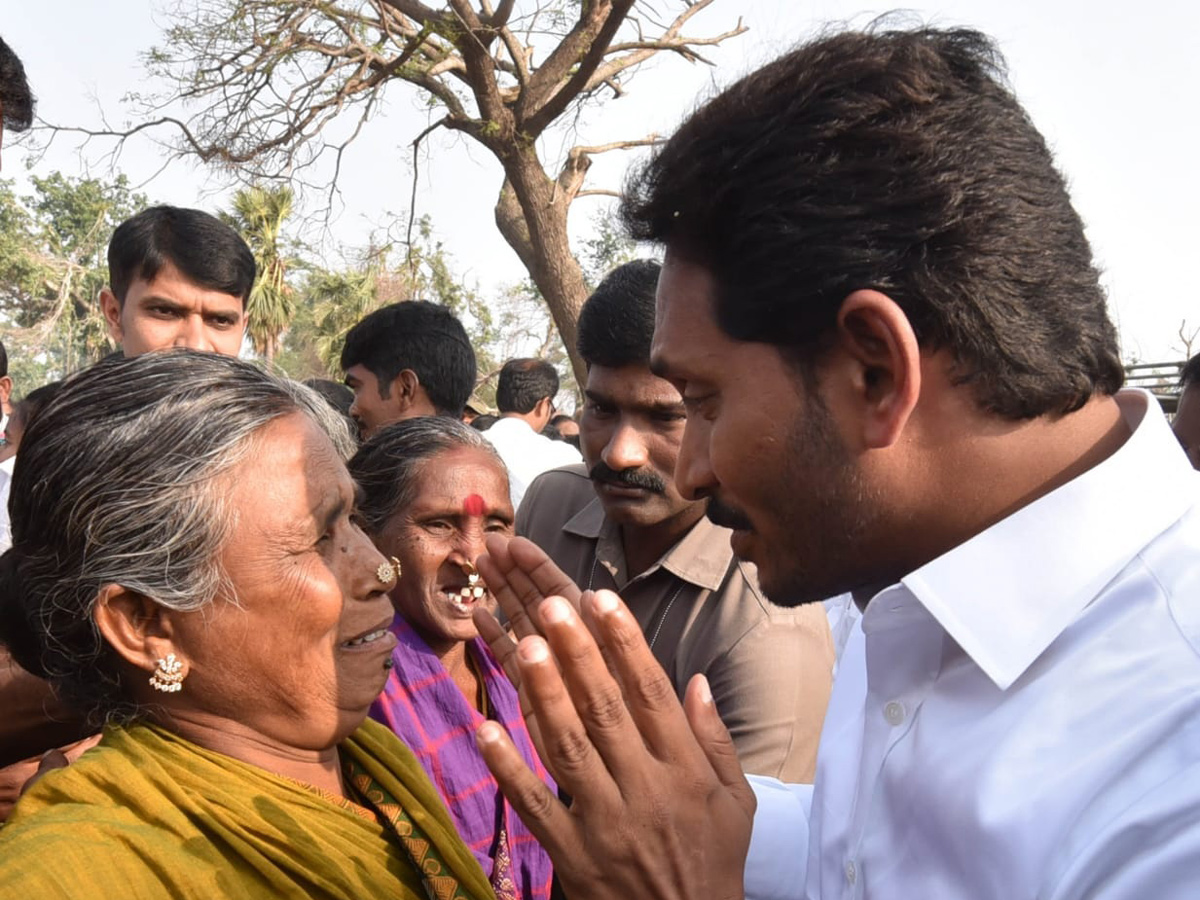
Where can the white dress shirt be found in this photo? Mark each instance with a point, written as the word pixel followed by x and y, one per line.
pixel 527 454
pixel 6 473
pixel 1019 718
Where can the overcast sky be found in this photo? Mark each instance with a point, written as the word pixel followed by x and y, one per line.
pixel 1114 89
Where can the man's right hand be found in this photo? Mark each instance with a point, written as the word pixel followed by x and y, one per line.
pixel 660 806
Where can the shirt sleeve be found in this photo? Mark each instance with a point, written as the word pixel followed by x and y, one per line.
pixel 777 864
pixel 771 689
pixel 1152 849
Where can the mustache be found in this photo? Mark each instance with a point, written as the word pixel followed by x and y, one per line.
pixel 727 516
pixel 631 478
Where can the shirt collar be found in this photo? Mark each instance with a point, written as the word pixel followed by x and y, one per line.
pixel 701 557
pixel 1008 592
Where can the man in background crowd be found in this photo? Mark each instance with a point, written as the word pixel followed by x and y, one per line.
pixel 619 522
pixel 408 359
pixel 177 278
pixel 525 397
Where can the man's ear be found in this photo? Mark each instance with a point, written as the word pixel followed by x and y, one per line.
pixel 878 344
pixel 5 388
pixel 139 629
pixel 111 307
pixel 406 389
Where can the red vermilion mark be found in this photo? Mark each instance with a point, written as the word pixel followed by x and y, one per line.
pixel 473 505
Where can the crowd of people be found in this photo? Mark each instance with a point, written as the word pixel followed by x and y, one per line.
pixel 859 573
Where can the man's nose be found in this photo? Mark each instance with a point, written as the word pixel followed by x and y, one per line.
pixel 693 469
pixel 626 449
pixel 193 335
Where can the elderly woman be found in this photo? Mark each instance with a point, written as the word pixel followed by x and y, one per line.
pixel 186 567
pixel 432 490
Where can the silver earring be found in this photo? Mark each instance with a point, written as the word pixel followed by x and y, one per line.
pixel 169 675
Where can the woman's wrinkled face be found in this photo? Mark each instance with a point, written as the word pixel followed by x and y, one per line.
pixel 461 497
pixel 300 649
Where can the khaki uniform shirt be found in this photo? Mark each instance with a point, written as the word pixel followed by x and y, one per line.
pixel 701 609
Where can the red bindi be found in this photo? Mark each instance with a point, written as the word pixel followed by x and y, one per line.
pixel 473 505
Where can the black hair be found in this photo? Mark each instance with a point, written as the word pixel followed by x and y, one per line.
pixel 388 467
pixel 121 478
pixel 418 335
pixel 560 417
pixel 336 394
pixel 16 99
pixel 37 400
pixel 616 323
pixel 484 421
pixel 898 161
pixel 524 383
pixel 1190 373
pixel 3 360
pixel 202 247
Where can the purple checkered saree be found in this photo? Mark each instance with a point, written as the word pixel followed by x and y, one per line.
pixel 421 704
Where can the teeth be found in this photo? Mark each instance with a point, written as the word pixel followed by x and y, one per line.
pixel 367 638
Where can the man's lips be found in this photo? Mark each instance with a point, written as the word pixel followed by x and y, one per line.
pixel 622 490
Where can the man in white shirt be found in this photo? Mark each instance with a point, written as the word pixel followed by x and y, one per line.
pixel 525 398
pixel 869 234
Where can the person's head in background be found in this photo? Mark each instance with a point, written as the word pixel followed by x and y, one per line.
pixel 484 421
pixel 6 383
pixel 1186 423
pixel 24 411
pixel 526 391
pixel 566 425
pixel 177 278
pixel 16 99
pixel 408 359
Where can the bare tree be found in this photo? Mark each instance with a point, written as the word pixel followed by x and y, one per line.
pixel 1186 339
pixel 272 86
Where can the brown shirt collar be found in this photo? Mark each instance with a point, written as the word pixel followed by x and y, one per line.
pixel 701 557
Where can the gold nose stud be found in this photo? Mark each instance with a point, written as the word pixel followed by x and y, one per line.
pixel 388 572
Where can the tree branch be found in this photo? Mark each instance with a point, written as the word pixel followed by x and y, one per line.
pixel 575 58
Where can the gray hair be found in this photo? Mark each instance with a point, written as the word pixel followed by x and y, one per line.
pixel 116 483
pixel 389 465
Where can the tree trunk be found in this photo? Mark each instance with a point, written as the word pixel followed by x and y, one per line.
pixel 531 213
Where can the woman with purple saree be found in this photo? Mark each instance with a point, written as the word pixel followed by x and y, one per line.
pixel 432 490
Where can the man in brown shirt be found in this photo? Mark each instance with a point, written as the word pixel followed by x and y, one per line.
pixel 619 522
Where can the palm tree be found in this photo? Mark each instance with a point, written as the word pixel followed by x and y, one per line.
pixel 259 213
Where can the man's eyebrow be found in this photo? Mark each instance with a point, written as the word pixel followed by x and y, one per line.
pixel 165 301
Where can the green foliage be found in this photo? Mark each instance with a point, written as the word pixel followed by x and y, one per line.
pixel 606 248
pixel 259 214
pixel 53 247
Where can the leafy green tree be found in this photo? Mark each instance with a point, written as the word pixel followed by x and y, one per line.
pixel 53 263
pixel 259 214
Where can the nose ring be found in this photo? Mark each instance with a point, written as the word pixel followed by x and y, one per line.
pixel 473 589
pixel 388 572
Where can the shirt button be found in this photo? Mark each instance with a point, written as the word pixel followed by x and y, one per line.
pixel 894 713
pixel 851 872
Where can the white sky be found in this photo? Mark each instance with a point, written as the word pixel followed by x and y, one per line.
pixel 1113 88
